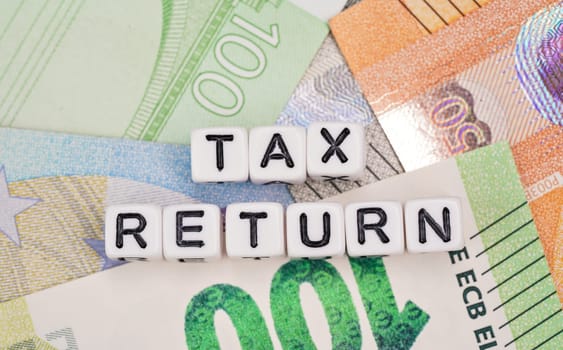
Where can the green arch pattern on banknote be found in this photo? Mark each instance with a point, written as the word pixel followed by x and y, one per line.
pixel 242 309
pixel 334 295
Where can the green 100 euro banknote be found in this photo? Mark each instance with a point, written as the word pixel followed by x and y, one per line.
pixel 496 292
pixel 152 70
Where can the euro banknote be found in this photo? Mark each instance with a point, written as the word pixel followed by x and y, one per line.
pixel 492 75
pixel 495 292
pixel 540 163
pixel 153 70
pixel 54 189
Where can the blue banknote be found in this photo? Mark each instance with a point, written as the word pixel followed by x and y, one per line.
pixel 54 188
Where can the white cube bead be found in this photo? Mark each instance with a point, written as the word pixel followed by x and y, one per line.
pixel 374 229
pixel 133 232
pixel 336 151
pixel 255 230
pixel 278 154
pixel 315 230
pixel 191 232
pixel 219 155
pixel 433 225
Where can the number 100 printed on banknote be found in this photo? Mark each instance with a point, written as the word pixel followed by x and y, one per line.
pixel 151 70
pixel 494 293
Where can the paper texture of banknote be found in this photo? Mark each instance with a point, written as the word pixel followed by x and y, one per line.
pixel 491 293
pixel 152 70
pixel 492 75
pixel 540 163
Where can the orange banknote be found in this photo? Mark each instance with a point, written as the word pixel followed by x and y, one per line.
pixel 377 42
pixel 374 29
pixel 558 263
pixel 540 163
pixel 495 74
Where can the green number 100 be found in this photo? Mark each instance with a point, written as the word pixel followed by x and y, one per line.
pixel 390 328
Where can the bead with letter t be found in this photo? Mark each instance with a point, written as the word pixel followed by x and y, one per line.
pixel 219 155
pixel 255 230
pixel 315 230
pixel 335 151
pixel 191 232
pixel 133 232
pixel 433 225
pixel 277 154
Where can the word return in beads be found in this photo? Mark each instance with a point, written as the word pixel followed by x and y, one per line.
pixel 193 232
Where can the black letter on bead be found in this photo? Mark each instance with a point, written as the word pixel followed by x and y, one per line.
pixel 444 234
pixel 120 231
pixel 253 227
pixel 360 215
pixel 305 236
pixel 277 140
pixel 334 145
pixel 219 147
pixel 180 228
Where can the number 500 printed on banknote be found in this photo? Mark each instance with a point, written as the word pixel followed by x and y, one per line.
pixel 496 292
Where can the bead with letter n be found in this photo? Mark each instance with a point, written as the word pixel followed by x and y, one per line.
pixel 433 225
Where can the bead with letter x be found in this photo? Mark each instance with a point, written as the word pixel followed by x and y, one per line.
pixel 335 145
pixel 336 151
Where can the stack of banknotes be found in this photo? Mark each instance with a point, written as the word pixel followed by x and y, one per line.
pixel 459 98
